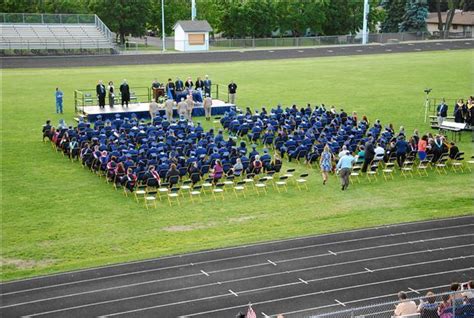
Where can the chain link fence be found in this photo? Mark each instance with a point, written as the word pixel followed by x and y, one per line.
pixel 444 305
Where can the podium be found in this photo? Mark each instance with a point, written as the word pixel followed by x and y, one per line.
pixel 158 92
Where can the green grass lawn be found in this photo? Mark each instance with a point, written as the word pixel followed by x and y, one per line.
pixel 57 216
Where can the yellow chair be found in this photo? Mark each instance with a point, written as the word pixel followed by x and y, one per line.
pixel 173 194
pixel 150 199
pixel 302 181
pixel 195 192
pixel 239 188
pixel 281 183
pixel 218 191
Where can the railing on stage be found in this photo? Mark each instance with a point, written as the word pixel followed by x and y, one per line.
pixel 88 97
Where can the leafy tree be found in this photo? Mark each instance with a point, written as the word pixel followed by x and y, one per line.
pixel 415 15
pixel 395 9
pixel 298 16
pixel 123 16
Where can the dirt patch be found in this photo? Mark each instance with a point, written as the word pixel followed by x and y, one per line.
pixel 185 228
pixel 241 219
pixel 25 264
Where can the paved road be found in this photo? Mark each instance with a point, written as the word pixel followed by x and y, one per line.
pixel 321 272
pixel 227 56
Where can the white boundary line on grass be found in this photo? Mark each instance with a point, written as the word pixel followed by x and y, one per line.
pixel 387 226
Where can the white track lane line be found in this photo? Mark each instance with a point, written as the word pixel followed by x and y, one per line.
pixel 237 257
pixel 390 226
pixel 302 295
pixel 219 283
pixel 254 289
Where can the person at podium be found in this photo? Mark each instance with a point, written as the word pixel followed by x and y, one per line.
pixel 154 87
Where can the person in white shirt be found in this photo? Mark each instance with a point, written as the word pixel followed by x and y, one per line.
pixel 405 307
pixel 342 152
pixel 379 152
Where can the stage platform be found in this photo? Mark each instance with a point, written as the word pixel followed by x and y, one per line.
pixel 142 110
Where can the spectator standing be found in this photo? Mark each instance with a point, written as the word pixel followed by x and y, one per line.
pixel 59 101
pixel 232 89
pixel 344 167
pixel 325 163
pixel 422 145
pixel 369 154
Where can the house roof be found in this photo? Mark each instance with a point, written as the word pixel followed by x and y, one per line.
pixel 194 26
pixel 460 18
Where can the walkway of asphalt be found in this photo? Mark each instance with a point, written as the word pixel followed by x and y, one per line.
pixel 230 56
pixel 320 272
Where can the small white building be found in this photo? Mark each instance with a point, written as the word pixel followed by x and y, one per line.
pixel 462 22
pixel 191 36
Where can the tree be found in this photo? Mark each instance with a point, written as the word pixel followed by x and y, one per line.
pixel 123 16
pixel 414 19
pixel 395 9
pixel 298 16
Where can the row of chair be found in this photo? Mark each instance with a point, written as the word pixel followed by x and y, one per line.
pixel 411 166
pixel 239 187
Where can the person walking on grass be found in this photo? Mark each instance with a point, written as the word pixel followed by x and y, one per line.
pixel 344 168
pixel 59 101
pixel 325 163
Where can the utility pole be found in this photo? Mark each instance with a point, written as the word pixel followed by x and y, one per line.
pixel 365 34
pixel 193 10
pixel 163 35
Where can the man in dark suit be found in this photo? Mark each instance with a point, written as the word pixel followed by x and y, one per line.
pixel 442 112
pixel 100 90
pixel 369 154
pixel 207 86
pixel 179 85
pixel 125 91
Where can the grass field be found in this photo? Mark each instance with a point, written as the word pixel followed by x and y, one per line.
pixel 57 216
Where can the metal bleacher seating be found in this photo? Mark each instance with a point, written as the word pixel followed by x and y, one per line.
pixel 55 36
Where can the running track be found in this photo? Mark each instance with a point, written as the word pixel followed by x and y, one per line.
pixel 297 277
pixel 230 56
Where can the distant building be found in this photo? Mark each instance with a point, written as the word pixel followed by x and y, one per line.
pixel 191 36
pixel 463 22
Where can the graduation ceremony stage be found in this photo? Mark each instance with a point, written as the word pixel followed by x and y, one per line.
pixel 219 107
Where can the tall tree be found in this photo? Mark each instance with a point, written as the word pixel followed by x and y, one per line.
pixel 395 9
pixel 414 19
pixel 123 16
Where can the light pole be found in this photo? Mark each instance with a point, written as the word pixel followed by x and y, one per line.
pixel 193 10
pixel 365 35
pixel 163 45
